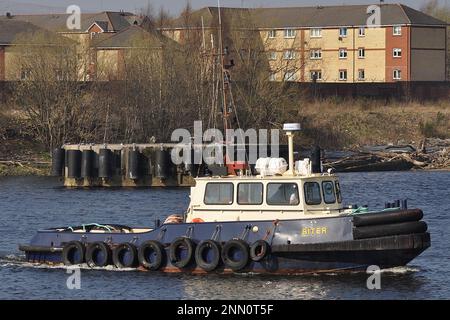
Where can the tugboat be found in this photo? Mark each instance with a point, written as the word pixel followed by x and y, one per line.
pixel 289 218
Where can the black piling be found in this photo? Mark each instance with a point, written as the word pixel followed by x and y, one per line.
pixel 87 164
pixel 74 164
pixel 58 162
pixel 162 164
pixel 104 163
pixel 133 166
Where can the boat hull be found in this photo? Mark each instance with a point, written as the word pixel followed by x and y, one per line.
pixel 296 246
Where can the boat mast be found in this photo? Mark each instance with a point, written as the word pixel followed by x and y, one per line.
pixel 225 75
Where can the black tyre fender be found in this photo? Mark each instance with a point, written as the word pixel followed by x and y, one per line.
pixel 93 249
pixel 383 218
pixel 229 261
pixel 200 251
pixel 259 250
pixel 386 230
pixel 154 247
pixel 68 251
pixel 178 243
pixel 118 255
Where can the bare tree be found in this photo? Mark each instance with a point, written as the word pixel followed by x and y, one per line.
pixel 48 92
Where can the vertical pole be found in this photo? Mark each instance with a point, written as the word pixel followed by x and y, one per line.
pixel 290 136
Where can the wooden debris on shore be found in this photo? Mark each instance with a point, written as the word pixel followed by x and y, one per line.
pixel 434 154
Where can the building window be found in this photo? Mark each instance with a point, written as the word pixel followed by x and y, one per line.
pixel 316 33
pixel 272 34
pixel 289 55
pixel 290 76
pixel 397 30
pixel 289 33
pixel 342 75
pixel 316 54
pixel 273 76
pixel 397 53
pixel 25 74
pixel 361 53
pixel 343 53
pixel 343 32
pixel 362 31
pixel 361 74
pixel 316 75
pixel 59 75
pixel 397 74
pixel 272 55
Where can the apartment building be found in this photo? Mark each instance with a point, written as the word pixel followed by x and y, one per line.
pixel 333 44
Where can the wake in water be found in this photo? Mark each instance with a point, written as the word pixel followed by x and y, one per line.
pixel 13 260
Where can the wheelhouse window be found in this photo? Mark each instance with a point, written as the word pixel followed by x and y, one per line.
pixel 312 193
pixel 329 195
pixel 219 194
pixel 250 193
pixel 282 194
pixel 338 192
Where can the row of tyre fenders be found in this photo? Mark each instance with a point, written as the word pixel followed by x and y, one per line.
pixel 208 255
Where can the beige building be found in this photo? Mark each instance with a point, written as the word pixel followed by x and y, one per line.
pixel 94 26
pixel 332 44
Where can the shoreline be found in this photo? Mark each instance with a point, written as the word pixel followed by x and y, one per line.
pixel 42 169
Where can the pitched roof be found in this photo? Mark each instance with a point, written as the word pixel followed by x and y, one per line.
pixel 109 21
pixel 10 29
pixel 319 16
pixel 126 37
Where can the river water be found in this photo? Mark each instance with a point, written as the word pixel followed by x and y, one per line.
pixel 31 203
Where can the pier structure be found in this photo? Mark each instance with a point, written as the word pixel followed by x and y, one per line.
pixel 131 165
pixel 120 165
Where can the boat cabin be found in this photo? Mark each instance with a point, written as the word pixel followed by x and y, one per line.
pixel 265 198
pixel 302 192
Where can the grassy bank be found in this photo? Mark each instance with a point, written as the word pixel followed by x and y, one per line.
pixel 20 153
pixel 350 124
pixel 332 123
